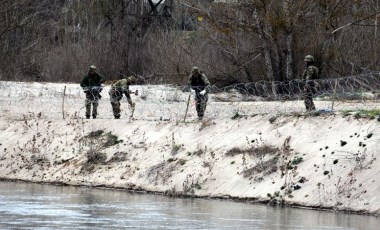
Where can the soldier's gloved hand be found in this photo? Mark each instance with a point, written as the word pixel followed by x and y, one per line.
pixel 133 105
pixel 203 92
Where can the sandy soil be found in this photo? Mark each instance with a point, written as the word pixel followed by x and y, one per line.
pixel 273 153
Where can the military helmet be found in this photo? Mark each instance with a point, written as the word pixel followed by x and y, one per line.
pixel 309 58
pixel 92 67
pixel 195 69
pixel 131 79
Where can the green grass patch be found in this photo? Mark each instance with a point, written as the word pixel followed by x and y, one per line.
pixel 363 113
pixel 296 160
pixel 236 116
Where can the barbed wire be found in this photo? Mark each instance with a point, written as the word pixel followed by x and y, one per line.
pixel 21 100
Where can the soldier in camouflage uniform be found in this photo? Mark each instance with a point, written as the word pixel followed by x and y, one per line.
pixel 116 94
pixel 310 74
pixel 199 84
pixel 91 84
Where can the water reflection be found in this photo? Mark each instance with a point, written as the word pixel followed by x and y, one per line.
pixel 35 206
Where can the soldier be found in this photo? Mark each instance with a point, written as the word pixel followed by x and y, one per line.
pixel 116 94
pixel 199 84
pixel 91 84
pixel 310 74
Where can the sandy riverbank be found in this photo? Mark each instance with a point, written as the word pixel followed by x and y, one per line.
pixel 327 161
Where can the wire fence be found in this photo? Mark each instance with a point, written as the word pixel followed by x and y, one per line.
pixel 20 100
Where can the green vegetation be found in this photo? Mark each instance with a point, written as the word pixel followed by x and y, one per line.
pixel 363 113
pixel 182 161
pixel 296 160
pixel 175 148
pixel 236 116
pixel 171 160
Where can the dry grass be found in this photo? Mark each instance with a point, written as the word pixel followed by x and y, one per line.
pixel 118 157
pixel 265 168
pixel 95 157
pixel 253 151
pixel 39 159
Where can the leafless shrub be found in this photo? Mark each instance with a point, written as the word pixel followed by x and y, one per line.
pixel 198 152
pixel 236 151
pixel 162 171
pixel 190 184
pixel 118 157
pixel 39 159
pixel 253 151
pixel 98 140
pixel 266 167
pixel 95 134
pixel 111 139
pixel 361 159
pixel 206 164
pixel 55 49
pixel 175 149
pixel 95 157
pixel 155 168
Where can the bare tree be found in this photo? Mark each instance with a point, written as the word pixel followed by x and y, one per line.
pixel 232 41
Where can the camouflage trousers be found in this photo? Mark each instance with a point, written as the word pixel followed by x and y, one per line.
pixel 115 97
pixel 200 104
pixel 308 97
pixel 94 101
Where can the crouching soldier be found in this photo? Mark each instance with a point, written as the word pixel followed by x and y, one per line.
pixel 91 84
pixel 199 85
pixel 116 94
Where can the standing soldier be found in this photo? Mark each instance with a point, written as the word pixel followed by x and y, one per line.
pixel 199 84
pixel 116 94
pixel 91 84
pixel 310 74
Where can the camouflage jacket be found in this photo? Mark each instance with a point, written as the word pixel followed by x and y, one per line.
pixel 89 81
pixel 119 88
pixel 199 82
pixel 121 85
pixel 310 73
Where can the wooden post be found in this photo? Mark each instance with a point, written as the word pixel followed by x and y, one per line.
pixel 63 103
pixel 332 105
pixel 187 107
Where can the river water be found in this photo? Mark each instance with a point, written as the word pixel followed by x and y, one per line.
pixel 41 206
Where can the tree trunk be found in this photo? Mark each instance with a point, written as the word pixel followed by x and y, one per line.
pixel 267 53
pixel 289 72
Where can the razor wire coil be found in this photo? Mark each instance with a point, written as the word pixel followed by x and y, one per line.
pixel 156 102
